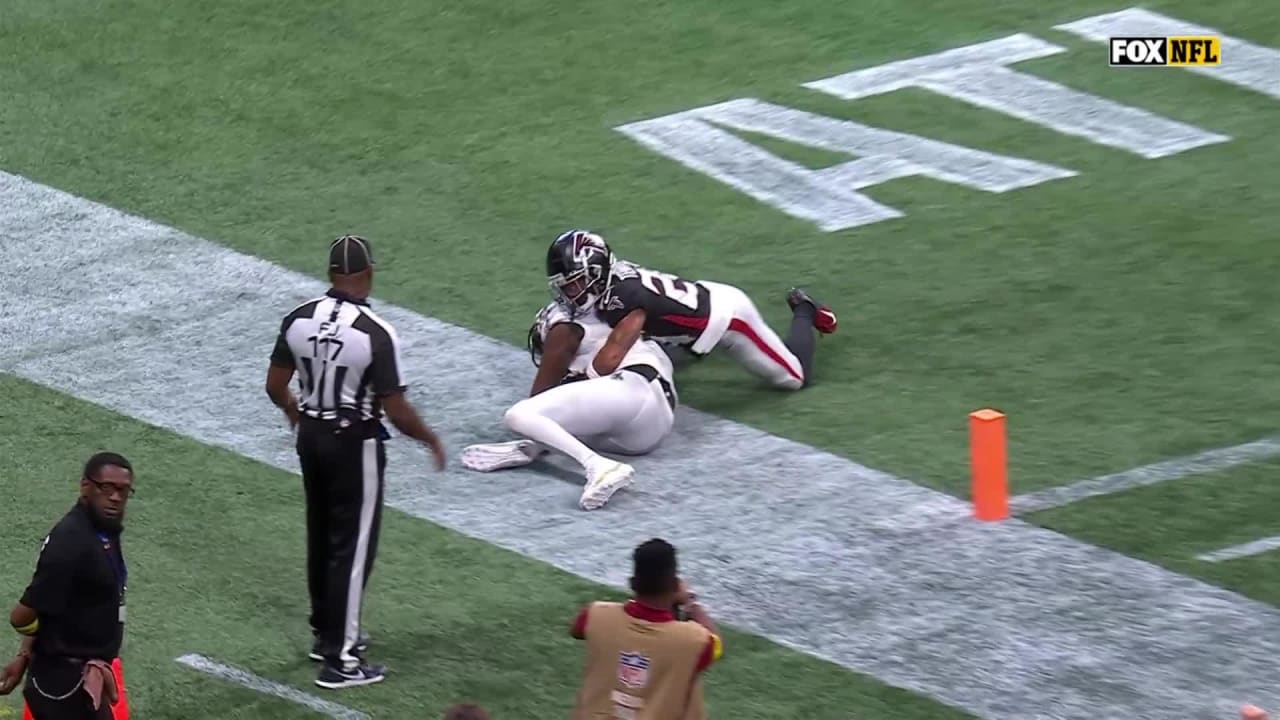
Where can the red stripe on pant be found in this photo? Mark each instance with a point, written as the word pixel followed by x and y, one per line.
pixel 119 711
pixel 743 328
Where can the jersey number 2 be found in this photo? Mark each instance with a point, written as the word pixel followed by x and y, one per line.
pixel 670 286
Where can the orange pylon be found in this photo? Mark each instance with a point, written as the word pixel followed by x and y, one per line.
pixel 988 459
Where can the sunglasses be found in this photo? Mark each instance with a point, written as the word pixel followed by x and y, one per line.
pixel 108 489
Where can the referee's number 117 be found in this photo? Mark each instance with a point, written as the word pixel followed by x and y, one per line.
pixel 332 347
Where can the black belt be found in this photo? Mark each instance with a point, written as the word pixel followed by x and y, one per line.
pixel 650 373
pixel 348 424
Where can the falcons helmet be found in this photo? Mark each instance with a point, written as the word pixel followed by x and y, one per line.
pixel 579 269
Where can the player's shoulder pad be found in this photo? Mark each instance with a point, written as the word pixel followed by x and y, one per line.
pixel 625 269
pixel 551 315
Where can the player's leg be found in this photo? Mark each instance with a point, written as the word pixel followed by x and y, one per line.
pixel 749 339
pixel 566 416
pixel 753 344
pixel 644 432
pixel 563 416
pixel 807 315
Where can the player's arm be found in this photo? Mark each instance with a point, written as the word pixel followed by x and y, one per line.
pixel 561 346
pixel 624 336
pixel 280 374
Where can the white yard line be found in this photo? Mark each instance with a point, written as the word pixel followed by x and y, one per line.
pixel 267 687
pixel 1164 471
pixel 1248 549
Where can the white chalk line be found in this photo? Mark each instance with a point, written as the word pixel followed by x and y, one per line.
pixel 1198 464
pixel 1243 550
pixel 267 687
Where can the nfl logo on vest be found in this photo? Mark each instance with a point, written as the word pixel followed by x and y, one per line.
pixel 633 670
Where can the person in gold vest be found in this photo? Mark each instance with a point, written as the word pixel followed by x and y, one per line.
pixel 642 661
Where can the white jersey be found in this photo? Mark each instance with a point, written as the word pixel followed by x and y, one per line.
pixel 595 332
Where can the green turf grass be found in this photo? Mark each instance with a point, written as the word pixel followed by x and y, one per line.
pixel 1173 522
pixel 1118 317
pixel 216 564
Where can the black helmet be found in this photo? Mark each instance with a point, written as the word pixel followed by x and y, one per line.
pixel 579 269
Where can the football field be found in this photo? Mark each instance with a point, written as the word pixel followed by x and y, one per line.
pixel 1000 217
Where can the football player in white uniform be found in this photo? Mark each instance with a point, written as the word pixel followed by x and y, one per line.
pixel 699 316
pixel 580 412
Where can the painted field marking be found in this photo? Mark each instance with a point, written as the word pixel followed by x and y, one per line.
pixel 1248 549
pixel 247 679
pixel 979 74
pixel 1244 64
pixel 828 197
pixel 1164 471
pixel 852 565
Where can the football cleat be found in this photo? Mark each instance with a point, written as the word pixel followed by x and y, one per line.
pixel 604 478
pixel 488 457
pixel 824 319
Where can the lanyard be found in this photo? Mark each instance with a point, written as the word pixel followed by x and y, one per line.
pixel 116 556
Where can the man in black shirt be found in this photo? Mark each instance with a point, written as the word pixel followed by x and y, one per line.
pixel 72 614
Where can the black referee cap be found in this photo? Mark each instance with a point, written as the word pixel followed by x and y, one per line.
pixel 349 255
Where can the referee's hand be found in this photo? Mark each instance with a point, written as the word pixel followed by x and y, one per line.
pixel 437 449
pixel 407 421
pixel 291 411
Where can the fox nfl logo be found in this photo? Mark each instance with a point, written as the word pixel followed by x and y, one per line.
pixel 1176 51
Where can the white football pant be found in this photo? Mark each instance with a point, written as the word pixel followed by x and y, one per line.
pixel 621 413
pixel 748 339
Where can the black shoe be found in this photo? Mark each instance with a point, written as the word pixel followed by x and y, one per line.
pixel 335 678
pixel 362 647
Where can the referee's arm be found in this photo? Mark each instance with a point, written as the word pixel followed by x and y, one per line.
pixel 280 374
pixel 386 373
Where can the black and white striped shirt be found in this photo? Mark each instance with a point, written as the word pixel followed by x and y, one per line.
pixel 347 358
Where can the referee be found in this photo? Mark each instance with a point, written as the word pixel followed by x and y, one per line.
pixel 349 373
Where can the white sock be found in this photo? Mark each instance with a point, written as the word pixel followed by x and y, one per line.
pixel 544 430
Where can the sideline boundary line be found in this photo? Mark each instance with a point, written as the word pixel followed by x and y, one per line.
pixel 1174 469
pixel 244 678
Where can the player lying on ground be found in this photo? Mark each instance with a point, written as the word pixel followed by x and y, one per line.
pixel 700 316
pixel 628 412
